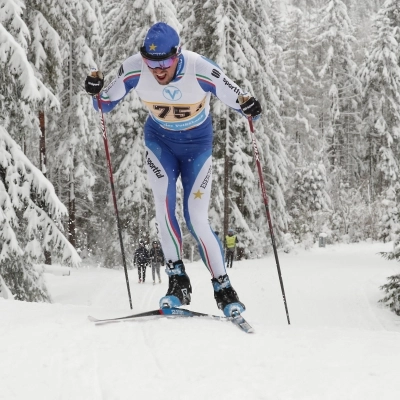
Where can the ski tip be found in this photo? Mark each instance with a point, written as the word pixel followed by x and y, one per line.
pixel 241 323
pixel 92 319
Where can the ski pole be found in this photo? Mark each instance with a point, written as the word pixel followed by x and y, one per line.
pixel 110 173
pixel 265 198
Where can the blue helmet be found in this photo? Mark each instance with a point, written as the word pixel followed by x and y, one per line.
pixel 161 42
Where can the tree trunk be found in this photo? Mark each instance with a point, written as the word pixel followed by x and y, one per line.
pixel 72 211
pixel 71 191
pixel 43 168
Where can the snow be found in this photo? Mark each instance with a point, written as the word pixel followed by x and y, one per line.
pixel 341 344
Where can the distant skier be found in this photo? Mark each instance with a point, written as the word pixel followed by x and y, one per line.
pixel 230 246
pixel 176 86
pixel 141 260
pixel 157 260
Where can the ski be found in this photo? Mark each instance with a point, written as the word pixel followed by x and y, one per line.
pixel 178 312
pixel 238 319
pixel 126 318
pixel 241 323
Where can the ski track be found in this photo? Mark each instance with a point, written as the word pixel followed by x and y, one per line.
pixel 341 344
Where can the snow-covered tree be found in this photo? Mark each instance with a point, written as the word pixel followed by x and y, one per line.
pixel 309 201
pixel 354 217
pixel 392 290
pixel 25 229
pixel 390 223
pixel 380 76
pixel 338 112
pixel 45 57
pixel 21 87
pixel 74 134
pixel 300 120
pixel 30 212
pixel 270 131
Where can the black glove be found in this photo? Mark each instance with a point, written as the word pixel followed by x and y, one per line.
pixel 251 106
pixel 94 83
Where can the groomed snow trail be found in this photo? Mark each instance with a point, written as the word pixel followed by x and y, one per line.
pixel 341 344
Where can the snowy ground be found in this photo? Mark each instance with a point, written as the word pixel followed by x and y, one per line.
pixel 341 343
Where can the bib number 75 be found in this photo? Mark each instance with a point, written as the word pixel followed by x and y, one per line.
pixel 178 112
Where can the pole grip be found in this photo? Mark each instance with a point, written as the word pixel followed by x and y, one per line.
pixel 242 98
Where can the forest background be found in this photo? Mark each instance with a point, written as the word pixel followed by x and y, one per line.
pixel 325 71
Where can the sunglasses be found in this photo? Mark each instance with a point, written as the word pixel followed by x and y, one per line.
pixel 163 64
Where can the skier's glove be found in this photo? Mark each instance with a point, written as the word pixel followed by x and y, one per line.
pixel 94 83
pixel 249 105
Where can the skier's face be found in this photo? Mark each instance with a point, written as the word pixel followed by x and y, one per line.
pixel 165 75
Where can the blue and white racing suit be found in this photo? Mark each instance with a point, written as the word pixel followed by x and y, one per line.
pixel 178 138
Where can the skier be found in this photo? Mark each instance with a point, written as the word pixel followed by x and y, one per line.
pixel 157 259
pixel 230 245
pixel 141 260
pixel 176 86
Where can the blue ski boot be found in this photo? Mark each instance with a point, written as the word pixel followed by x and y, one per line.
pixel 179 289
pixel 226 296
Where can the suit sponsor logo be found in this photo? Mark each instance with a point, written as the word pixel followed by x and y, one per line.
pixel 172 93
pixel 206 179
pixel 233 87
pixel 177 312
pixel 215 73
pixel 154 168
pixel 111 84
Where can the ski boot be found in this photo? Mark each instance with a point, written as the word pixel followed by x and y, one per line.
pixel 179 289
pixel 226 296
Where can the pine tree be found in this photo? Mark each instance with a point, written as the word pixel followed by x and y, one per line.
pixel 309 202
pixel 25 229
pixel 353 215
pixel 340 95
pixel 44 54
pixel 22 88
pixel 300 119
pixel 392 288
pixel 270 131
pixel 380 76
pixel 74 134
pixel 30 212
pixel 390 223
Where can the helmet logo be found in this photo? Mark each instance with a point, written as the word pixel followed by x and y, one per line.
pixel 152 47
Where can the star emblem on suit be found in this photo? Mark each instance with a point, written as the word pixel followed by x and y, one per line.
pixel 198 194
